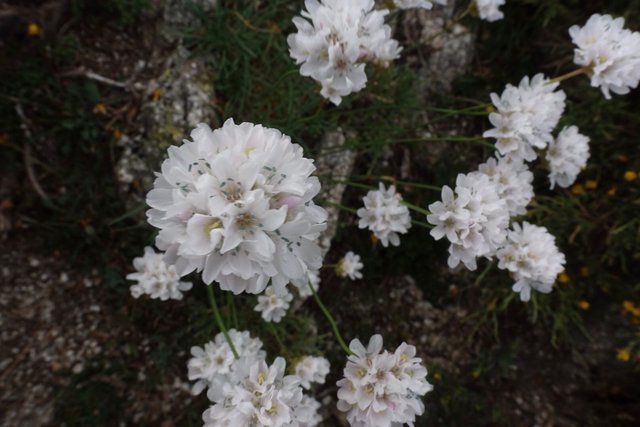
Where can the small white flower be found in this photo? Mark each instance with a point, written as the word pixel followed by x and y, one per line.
pixel 489 10
pixel 531 255
pixel 525 117
pixel 350 266
pixel 567 156
pixel 312 369
pixel 473 218
pixel 418 4
pixel 380 389
pixel 236 204
pixel 513 180
pixel 385 215
pixel 611 52
pixel 155 278
pixel 273 305
pixel 313 279
pixel 335 41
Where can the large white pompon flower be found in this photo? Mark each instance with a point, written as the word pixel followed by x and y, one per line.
pixel 472 217
pixel 417 4
pixel 531 255
pixel 489 10
pixel 567 156
pixel 335 41
pixel 260 394
pixel 236 204
pixel 273 305
pixel 380 388
pixel 611 52
pixel 385 215
pixel 214 364
pixel 513 179
pixel 312 369
pixel 525 117
pixel 156 278
pixel 350 266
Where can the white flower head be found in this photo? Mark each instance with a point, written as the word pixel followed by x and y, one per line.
pixel 214 363
pixel 489 10
pixel 380 388
pixel 417 4
pixel 312 279
pixel 567 156
pixel 236 205
pixel 531 255
pixel 156 278
pixel 611 52
pixel 513 180
pixel 335 41
pixel 312 369
pixel 525 117
pixel 350 266
pixel 273 305
pixel 260 394
pixel 472 217
pixel 385 215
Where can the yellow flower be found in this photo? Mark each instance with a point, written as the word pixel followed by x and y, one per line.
pixel 156 94
pixel 623 354
pixel 577 189
pixel 591 184
pixel 33 29
pixel 611 192
pixel 475 373
pixel 374 238
pixel 563 278
pixel 622 158
pixel 583 305
pixel 437 376
pixel 630 176
pixel 584 271
pixel 100 108
pixel 636 312
pixel 628 306
pixel 117 134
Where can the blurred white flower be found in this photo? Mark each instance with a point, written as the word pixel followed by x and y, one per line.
pixel 273 305
pixel 567 156
pixel 155 278
pixel 489 10
pixel 531 255
pixel 214 364
pixel 611 52
pixel 313 279
pixel 236 204
pixel 335 41
pixel 350 266
pixel 472 217
pixel 381 389
pixel 312 369
pixel 513 180
pixel 421 4
pixel 526 116
pixel 385 215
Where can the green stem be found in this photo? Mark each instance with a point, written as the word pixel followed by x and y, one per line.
pixel 219 322
pixel 483 274
pixel 582 70
pixel 332 322
pixel 274 331
pixel 339 206
pixel 231 303
pixel 421 224
pixel 416 208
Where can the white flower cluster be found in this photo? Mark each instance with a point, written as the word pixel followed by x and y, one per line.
pixel 526 116
pixel 489 10
pixel 380 389
pixel 260 394
pixel 336 41
pixel 273 305
pixel 473 217
pixel 567 156
pixel 155 278
pixel 247 392
pixel 417 4
pixel 531 255
pixel 312 279
pixel 513 180
pixel 350 266
pixel 312 369
pixel 385 215
pixel 236 204
pixel 611 52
